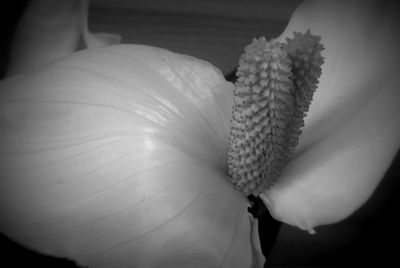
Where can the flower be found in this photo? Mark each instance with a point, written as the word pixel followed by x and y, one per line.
pixel 116 156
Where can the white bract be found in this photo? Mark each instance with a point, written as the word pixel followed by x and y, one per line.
pixel 352 131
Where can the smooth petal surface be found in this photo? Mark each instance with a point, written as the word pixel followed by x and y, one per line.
pixel 352 131
pixel 115 157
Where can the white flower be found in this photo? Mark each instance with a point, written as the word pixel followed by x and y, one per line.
pixel 116 156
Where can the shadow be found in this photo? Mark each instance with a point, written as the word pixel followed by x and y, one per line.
pixel 9 16
pixel 268 227
pixel 366 239
pixel 18 256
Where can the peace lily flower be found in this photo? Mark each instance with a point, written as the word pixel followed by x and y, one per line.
pixel 116 156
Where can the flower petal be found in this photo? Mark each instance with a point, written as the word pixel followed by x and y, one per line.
pixel 352 132
pixel 114 157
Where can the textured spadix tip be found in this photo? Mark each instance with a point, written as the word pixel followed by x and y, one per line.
pixel 304 50
pixel 273 92
pixel 263 107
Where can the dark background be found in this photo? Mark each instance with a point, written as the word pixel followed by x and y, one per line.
pixel 217 31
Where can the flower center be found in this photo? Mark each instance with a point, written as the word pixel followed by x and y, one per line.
pixel 273 92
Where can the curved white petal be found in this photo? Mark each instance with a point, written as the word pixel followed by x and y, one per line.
pixel 114 157
pixel 352 131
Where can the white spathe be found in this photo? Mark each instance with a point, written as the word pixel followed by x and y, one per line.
pixel 114 157
pixel 352 130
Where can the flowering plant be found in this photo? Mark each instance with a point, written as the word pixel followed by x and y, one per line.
pixel 116 156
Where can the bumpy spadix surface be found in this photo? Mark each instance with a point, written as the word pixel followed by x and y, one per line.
pixel 263 102
pixel 305 52
pixel 272 95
